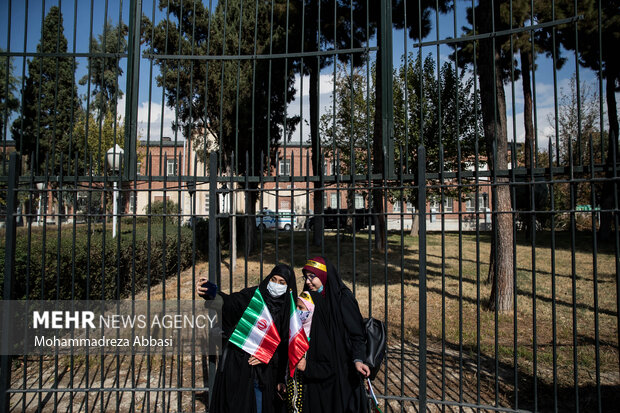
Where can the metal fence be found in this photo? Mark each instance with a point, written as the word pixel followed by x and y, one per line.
pixel 464 182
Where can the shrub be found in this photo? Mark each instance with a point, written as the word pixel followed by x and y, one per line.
pixel 45 271
pixel 161 209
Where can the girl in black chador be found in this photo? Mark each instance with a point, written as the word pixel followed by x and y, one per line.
pixel 333 367
pixel 242 382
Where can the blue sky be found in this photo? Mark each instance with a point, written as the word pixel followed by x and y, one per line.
pixel 78 18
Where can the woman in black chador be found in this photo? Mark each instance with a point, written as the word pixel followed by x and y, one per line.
pixel 242 382
pixel 333 367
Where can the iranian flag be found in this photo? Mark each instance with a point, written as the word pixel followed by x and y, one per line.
pixel 256 333
pixel 297 340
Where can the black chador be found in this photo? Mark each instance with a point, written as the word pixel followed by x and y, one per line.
pixel 234 387
pixel 331 381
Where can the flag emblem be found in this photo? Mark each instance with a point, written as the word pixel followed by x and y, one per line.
pixel 256 333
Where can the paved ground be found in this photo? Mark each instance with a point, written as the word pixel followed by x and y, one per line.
pixel 171 373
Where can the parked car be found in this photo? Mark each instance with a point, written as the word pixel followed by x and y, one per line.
pixel 337 218
pixel 282 219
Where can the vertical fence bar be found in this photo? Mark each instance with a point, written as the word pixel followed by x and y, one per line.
pixel 213 247
pixel 422 275
pixel 9 273
pixel 133 82
pixel 387 109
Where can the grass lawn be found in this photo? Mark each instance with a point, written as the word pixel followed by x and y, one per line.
pixel 562 314
pixel 558 301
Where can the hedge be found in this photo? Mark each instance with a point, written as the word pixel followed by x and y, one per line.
pixel 66 271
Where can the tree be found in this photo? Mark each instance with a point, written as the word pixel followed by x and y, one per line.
pixel 418 25
pixel 216 98
pixel 442 118
pixel 345 136
pixel 103 72
pixel 99 138
pixel 8 87
pixel 316 25
pixel 519 13
pixel 604 61
pixel 578 133
pixel 578 115
pixel 492 71
pixel 43 131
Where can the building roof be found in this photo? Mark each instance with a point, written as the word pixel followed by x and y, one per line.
pixel 165 142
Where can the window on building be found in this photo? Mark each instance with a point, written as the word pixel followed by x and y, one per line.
pixel 333 200
pixel 408 205
pixel 171 167
pixel 139 168
pixel 448 204
pixel 470 203
pixel 132 201
pixel 434 204
pixel 483 202
pixel 326 167
pixel 284 167
pixel 359 201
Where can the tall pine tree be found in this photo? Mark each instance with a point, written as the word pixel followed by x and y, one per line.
pixel 103 72
pixel 43 132
pixel 8 87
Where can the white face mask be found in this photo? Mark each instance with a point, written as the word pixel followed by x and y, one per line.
pixel 275 289
pixel 303 315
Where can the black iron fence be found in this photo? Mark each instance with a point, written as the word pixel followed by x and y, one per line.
pixel 457 162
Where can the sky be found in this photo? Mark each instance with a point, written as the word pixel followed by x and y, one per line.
pixel 20 31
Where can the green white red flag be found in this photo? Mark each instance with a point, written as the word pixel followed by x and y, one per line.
pixel 297 340
pixel 256 332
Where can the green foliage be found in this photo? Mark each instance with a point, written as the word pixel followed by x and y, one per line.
pixel 440 108
pixel 161 211
pixel 8 88
pixel 437 110
pixel 51 103
pixel 92 268
pixel 100 135
pixel 105 71
pixel 590 28
pixel 214 99
pixel 346 136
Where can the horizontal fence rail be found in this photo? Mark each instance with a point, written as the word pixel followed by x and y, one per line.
pixel 457 162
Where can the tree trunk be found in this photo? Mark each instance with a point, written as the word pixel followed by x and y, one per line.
pixel 250 220
pixel 351 208
pixel 317 168
pixel 493 102
pixel 415 224
pixel 378 161
pixel 607 201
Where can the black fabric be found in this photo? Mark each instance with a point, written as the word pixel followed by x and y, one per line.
pixel 336 339
pixel 375 345
pixel 233 390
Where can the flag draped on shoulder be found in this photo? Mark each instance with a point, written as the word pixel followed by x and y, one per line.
pixel 256 332
pixel 297 340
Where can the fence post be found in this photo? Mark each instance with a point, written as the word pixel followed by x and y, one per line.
pixel 9 275
pixel 132 88
pixel 213 249
pixel 422 275
pixel 387 108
